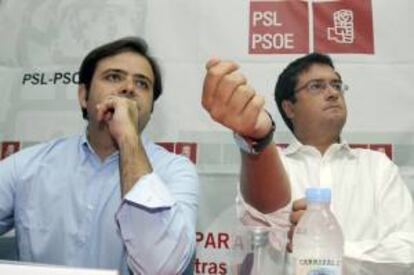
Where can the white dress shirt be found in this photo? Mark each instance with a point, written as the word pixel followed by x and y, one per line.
pixel 369 199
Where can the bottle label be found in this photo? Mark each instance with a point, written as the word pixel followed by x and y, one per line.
pixel 318 267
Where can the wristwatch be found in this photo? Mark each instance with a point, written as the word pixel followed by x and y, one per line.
pixel 255 146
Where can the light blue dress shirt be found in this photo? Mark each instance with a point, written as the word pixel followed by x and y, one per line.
pixel 66 207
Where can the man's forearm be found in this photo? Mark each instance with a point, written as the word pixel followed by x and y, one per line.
pixel 264 182
pixel 134 162
pixel 164 245
pixel 157 221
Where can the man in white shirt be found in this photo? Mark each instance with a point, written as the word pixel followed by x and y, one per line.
pixel 370 200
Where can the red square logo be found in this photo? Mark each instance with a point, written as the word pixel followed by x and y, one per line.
pixel 385 148
pixel 359 145
pixel 343 27
pixel 169 146
pixel 278 27
pixel 8 148
pixel 187 149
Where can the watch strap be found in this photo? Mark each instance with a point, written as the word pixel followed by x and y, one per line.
pixel 255 146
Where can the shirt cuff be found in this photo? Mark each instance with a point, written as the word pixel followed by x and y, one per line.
pixel 250 215
pixel 278 221
pixel 150 192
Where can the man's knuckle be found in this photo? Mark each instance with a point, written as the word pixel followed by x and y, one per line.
pixel 216 114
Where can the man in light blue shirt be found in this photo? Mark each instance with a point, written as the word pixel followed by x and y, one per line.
pixel 109 198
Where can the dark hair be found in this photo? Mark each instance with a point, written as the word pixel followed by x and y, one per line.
pixel 288 79
pixel 134 44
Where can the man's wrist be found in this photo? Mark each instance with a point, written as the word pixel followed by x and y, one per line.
pixel 255 146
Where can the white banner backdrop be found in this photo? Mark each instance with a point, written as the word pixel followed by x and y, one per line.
pixel 43 42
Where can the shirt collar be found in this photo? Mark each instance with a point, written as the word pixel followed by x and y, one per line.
pixel 296 146
pixel 86 147
pixel 145 140
pixel 84 144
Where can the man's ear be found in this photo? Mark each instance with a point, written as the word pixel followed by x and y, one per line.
pixel 82 95
pixel 288 108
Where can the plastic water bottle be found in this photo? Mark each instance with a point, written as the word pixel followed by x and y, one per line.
pixel 318 239
pixel 259 256
pixel 259 242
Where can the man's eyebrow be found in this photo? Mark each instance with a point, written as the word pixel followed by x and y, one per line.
pixel 111 70
pixel 120 71
pixel 143 76
pixel 324 79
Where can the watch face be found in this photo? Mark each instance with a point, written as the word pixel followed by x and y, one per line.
pixel 252 146
pixel 243 144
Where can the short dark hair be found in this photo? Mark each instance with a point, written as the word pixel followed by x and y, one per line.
pixel 288 79
pixel 126 44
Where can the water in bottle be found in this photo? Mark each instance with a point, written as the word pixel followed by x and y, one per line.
pixel 318 239
pixel 259 257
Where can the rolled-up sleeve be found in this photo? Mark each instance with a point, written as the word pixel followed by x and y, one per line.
pixel 157 218
pixel 278 221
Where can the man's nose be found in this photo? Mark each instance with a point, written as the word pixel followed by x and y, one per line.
pixel 128 88
pixel 330 92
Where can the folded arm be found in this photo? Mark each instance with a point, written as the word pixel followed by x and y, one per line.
pixel 157 217
pixel 157 224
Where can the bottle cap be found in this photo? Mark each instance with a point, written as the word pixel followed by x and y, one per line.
pixel 318 194
pixel 259 236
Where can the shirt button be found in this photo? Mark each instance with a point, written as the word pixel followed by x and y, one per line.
pixel 81 241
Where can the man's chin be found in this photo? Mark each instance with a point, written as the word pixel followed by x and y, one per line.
pixel 337 122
